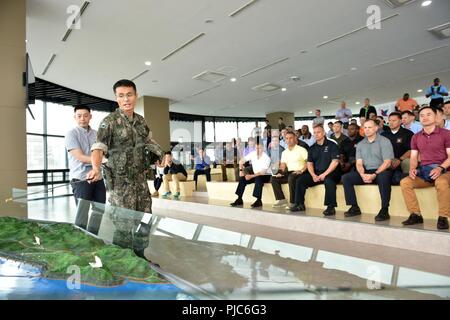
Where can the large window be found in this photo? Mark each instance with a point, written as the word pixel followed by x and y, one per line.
pixel 36 125
pixel 35 152
pixel 225 131
pixel 245 129
pixel 46 152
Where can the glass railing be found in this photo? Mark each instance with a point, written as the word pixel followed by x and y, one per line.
pixel 192 260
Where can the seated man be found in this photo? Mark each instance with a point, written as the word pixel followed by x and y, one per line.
pixel 409 122
pixel 347 150
pixel 432 145
pixel 401 142
pixel 323 167
pixel 338 134
pixel 441 120
pixel 274 152
pixel 259 174
pixel 292 166
pixel 202 166
pixel 374 155
pixel 175 172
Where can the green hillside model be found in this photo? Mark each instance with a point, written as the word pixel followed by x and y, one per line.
pixel 63 246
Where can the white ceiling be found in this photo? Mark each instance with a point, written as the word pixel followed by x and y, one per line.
pixel 116 37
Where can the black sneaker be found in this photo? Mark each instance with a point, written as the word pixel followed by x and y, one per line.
pixel 383 215
pixel 353 211
pixel 297 208
pixel 413 219
pixel 257 204
pixel 442 223
pixel 238 202
pixel 329 211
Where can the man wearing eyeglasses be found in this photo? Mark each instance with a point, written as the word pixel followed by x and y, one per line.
pixel 124 138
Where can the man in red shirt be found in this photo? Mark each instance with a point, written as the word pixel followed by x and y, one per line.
pixel 406 103
pixel 432 145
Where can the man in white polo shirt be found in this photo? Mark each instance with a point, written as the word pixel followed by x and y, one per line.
pixel 259 175
pixel 292 166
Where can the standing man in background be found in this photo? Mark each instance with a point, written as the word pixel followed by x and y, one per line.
pixel 78 143
pixel 344 114
pixel 436 92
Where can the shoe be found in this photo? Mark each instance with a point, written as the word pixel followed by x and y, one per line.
pixel 238 202
pixel 413 219
pixel 279 203
pixel 176 195
pixel 353 211
pixel 257 204
pixel 296 208
pixel 290 205
pixel 442 223
pixel 166 195
pixel 329 211
pixel 155 194
pixel 383 215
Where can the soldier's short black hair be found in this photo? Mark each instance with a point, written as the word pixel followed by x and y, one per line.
pixel 340 122
pixel 124 83
pixel 81 108
pixel 168 152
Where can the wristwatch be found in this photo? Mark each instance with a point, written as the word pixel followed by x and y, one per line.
pixel 442 169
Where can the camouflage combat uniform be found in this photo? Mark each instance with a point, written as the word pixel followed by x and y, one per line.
pixel 130 152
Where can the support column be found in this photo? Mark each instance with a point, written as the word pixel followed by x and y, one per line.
pixel 288 119
pixel 156 113
pixel 13 161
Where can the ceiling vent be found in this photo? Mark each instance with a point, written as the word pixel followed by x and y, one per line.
pixel 69 31
pixel 227 69
pixel 49 63
pixel 184 45
pixel 266 87
pixel 210 76
pixel 442 31
pixel 239 10
pixel 398 3
pixel 139 75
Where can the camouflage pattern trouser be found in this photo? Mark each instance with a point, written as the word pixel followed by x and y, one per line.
pixel 129 200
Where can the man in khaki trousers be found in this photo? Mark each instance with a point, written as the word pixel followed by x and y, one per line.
pixel 432 145
pixel 173 172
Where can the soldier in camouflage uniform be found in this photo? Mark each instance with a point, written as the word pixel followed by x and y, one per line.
pixel 124 139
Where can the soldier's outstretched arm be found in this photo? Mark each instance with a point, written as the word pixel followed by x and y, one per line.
pixel 96 159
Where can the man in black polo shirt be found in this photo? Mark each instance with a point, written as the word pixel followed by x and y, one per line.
pixel 323 167
pixel 401 142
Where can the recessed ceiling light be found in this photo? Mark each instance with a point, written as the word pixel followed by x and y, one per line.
pixel 353 68
pixel 310 112
pixel 426 3
pixel 357 102
pixel 148 63
pixel 233 79
pixel 283 89
pixel 420 90
pixel 411 60
pixel 325 97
